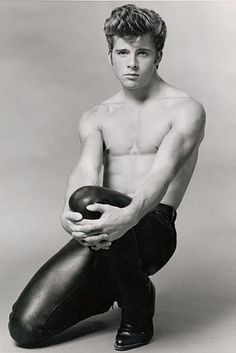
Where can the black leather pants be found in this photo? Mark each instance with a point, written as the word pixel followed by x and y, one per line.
pixel 78 282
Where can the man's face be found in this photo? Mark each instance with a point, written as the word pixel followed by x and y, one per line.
pixel 134 61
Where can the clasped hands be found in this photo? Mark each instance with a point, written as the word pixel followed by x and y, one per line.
pixel 99 233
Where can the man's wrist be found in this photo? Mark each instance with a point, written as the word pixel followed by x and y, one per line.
pixel 132 214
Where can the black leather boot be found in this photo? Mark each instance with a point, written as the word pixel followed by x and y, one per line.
pixel 136 328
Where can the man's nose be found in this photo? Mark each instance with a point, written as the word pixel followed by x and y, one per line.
pixel 132 64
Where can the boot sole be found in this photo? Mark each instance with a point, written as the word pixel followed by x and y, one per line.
pixel 131 346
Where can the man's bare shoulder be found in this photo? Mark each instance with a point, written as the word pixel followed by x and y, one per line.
pixel 93 118
pixel 190 112
pixel 99 112
pixel 189 118
pixel 183 112
pixel 181 106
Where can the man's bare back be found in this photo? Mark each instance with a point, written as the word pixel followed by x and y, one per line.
pixel 132 136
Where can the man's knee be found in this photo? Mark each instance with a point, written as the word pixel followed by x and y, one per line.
pixel 26 331
pixel 90 194
pixel 83 197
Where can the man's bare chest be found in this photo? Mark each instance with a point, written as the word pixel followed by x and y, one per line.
pixel 128 131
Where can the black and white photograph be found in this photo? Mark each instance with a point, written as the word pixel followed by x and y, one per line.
pixel 117 176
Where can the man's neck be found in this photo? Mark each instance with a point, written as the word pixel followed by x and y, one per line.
pixel 139 96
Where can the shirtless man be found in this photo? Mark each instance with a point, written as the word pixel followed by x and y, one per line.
pixel 144 142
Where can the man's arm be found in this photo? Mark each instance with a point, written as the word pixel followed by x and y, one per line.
pixel 89 165
pixel 177 147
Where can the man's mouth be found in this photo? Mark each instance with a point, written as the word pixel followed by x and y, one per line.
pixel 131 74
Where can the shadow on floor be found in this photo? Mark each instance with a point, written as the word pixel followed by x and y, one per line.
pixel 202 297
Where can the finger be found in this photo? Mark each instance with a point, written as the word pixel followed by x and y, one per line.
pixel 96 227
pixel 72 223
pixel 93 240
pixel 105 246
pixel 98 247
pixel 73 216
pixel 95 247
pixel 84 243
pixel 83 234
pixel 79 236
pixel 101 244
pixel 97 207
pixel 96 239
pixel 104 243
pixel 82 237
pixel 89 222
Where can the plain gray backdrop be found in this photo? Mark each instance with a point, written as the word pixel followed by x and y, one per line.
pixel 53 66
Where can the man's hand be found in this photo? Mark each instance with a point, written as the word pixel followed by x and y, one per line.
pixel 112 225
pixel 70 221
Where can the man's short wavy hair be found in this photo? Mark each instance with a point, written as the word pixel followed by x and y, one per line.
pixel 132 21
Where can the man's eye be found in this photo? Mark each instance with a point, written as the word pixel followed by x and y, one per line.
pixel 122 53
pixel 143 53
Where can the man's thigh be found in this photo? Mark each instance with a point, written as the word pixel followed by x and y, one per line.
pixel 71 286
pixel 156 241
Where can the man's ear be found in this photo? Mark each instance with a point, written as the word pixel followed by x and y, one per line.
pixel 158 57
pixel 110 58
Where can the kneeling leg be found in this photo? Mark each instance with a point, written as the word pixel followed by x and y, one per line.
pixel 73 285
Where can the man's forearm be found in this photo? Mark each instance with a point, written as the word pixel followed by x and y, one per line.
pixel 148 195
